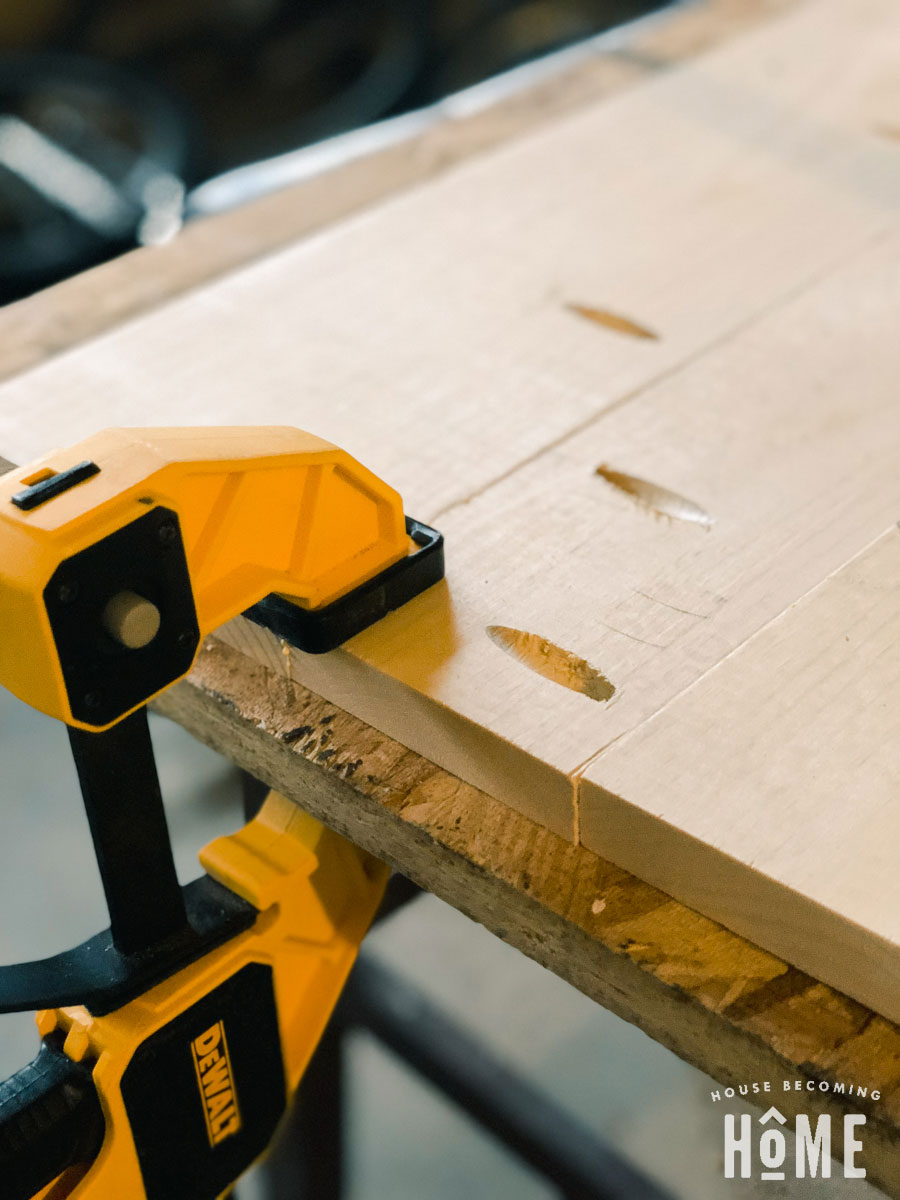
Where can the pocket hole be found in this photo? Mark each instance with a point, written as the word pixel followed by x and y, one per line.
pixel 552 662
pixel 614 321
pixel 659 500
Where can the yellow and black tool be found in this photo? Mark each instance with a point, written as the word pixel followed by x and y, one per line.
pixel 172 1041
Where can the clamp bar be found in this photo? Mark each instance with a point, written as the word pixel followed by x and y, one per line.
pixel 120 786
pixel 97 975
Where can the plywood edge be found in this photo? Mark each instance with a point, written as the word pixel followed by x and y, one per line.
pixel 418 721
pixel 714 999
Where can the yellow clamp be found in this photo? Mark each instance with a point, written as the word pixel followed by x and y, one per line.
pixel 317 894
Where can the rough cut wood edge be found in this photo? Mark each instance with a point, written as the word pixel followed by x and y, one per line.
pixel 717 1001
pixel 54 320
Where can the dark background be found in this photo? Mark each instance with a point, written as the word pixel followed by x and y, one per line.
pixel 111 111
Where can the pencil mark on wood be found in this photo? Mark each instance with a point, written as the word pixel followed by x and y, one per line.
pixel 614 321
pixel 634 637
pixel 658 500
pixel 552 662
pixel 688 612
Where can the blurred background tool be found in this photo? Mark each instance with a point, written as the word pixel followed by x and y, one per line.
pixel 111 113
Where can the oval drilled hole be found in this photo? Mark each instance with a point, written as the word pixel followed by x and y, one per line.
pixel 614 321
pixel 552 662
pixel 659 500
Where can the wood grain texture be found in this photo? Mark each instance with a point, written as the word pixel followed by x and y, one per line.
pixel 89 304
pixel 786 823
pixel 432 337
pixel 793 478
pixel 770 228
pixel 719 1002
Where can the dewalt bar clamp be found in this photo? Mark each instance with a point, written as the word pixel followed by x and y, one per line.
pixel 171 1042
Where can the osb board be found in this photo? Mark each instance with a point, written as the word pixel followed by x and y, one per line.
pixel 720 214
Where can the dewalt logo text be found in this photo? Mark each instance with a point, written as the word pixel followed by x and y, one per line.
pixel 216 1083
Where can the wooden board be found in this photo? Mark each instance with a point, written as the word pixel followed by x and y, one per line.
pixel 768 792
pixel 793 478
pixel 719 1002
pixel 432 335
pixel 69 313
pixel 740 212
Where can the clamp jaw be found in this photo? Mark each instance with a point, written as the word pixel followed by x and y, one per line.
pixel 119 555
pixel 172 1041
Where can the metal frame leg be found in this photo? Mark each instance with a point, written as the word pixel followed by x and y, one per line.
pixel 306 1161
pixel 534 1127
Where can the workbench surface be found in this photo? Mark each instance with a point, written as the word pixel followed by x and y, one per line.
pixel 670 408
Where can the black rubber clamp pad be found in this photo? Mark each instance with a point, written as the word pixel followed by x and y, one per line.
pixel 319 630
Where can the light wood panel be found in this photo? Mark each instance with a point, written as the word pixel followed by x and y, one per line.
pixel 767 794
pixel 786 441
pixel 744 210
pixel 431 335
pixel 724 1005
pixel 63 316
pixel 434 337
